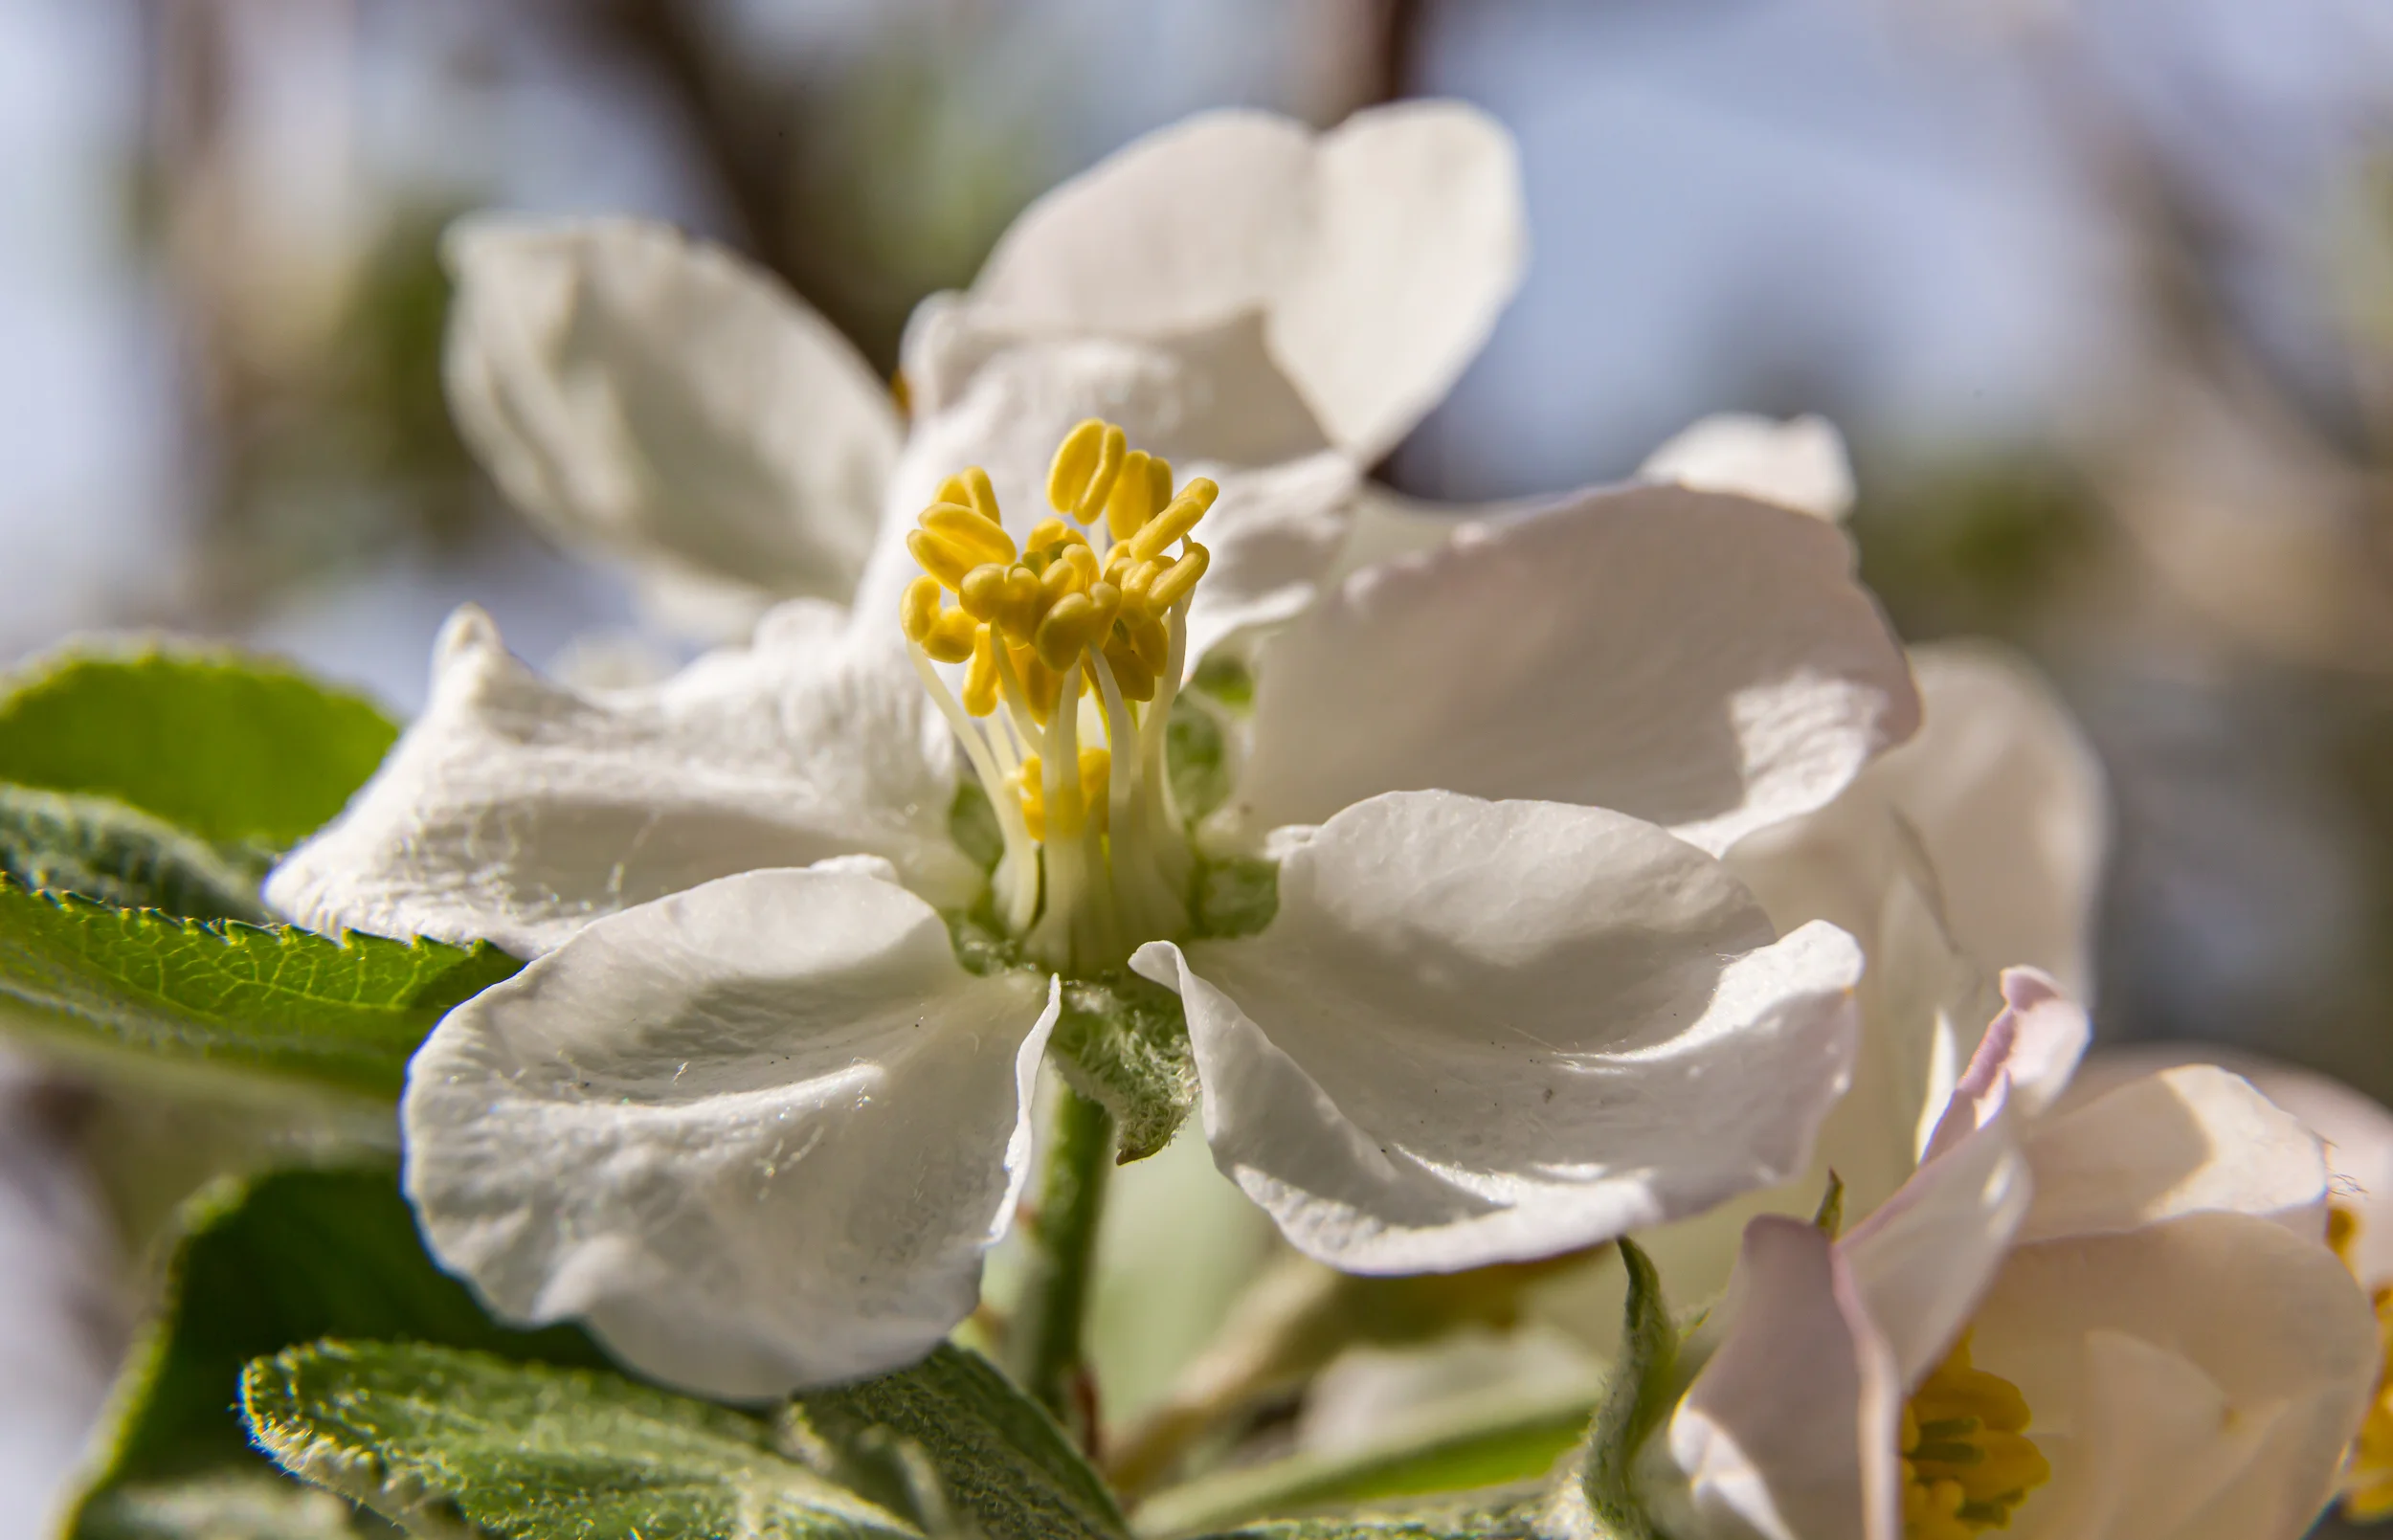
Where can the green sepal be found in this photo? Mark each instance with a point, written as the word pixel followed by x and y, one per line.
pixel 144 987
pixel 1487 1516
pixel 262 1264
pixel 238 750
pixel 1122 1040
pixel 437 1439
pixel 1236 896
pixel 68 843
pixel 1196 756
pixel 1635 1403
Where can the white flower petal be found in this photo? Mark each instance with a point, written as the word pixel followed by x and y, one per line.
pixel 2024 1060
pixel 757 1134
pixel 1478 1032
pixel 2181 1141
pixel 1921 1261
pixel 1419 241
pixel 1767 1439
pixel 2008 799
pixel 1182 229
pixel 659 400
pixel 517 810
pixel 2273 1347
pixel 1377 255
pixel 1213 405
pixel 1800 463
pixel 1700 661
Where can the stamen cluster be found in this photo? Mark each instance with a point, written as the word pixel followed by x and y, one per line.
pixel 1967 1462
pixel 1043 630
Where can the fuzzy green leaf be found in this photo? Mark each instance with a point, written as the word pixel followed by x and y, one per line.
pixel 1122 1040
pixel 238 750
pixel 261 1265
pixel 1486 1517
pixel 1005 1464
pixel 342 1016
pixel 101 848
pixel 437 1439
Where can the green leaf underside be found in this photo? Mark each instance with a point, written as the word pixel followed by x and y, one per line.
pixel 342 1016
pixel 1501 1440
pixel 103 849
pixel 1634 1404
pixel 262 1265
pixel 423 1435
pixel 1487 1517
pixel 236 750
pixel 1122 1040
pixel 1005 1463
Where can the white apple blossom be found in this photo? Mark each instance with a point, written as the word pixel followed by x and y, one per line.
pixel 2118 1319
pixel 751 1117
pixel 1266 306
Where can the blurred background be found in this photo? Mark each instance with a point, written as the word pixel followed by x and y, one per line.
pixel 2100 291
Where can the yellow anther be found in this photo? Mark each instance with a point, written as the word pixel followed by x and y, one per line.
pixel 1106 600
pixel 951 638
pixel 2368 1472
pixel 1151 644
pixel 1017 615
pixel 1040 684
pixel 1086 464
pixel 1085 562
pixel 918 608
pixel 1028 783
pixel 944 559
pixel 1967 1462
pixel 983 590
pixel 1096 768
pixel 980 680
pixel 1137 580
pixel 1069 625
pixel 1137 682
pixel 1057 580
pixel 966 528
pixel 1177 580
pixel 1143 486
pixel 1049 536
pixel 971 488
pixel 1175 521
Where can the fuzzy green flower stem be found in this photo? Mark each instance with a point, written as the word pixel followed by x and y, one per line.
pixel 1044 1340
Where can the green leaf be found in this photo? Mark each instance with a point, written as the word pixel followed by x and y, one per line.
pixel 1634 1404
pixel 1122 1040
pixel 342 1016
pixel 434 1439
pixel 120 855
pixel 261 1265
pixel 1005 1463
pixel 1496 1440
pixel 238 750
pixel 1485 1518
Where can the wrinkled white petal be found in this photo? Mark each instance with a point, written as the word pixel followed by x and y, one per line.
pixel 2192 1380
pixel 1211 405
pixel 663 402
pixel 1419 239
pixel 2183 1141
pixel 1376 256
pixel 1185 228
pixel 757 1135
pixel 1766 1441
pixel 518 811
pixel 2024 1060
pixel 1699 662
pixel 1800 463
pixel 1478 1032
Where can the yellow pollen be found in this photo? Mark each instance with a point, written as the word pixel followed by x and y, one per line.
pixel 1073 645
pixel 2368 1472
pixel 1967 1462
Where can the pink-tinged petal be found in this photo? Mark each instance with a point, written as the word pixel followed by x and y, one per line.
pixel 2024 1060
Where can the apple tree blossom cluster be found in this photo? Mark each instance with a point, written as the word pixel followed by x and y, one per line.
pixel 1091 761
